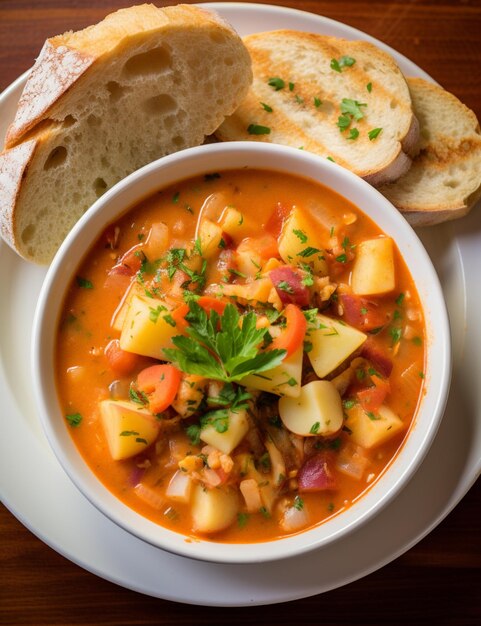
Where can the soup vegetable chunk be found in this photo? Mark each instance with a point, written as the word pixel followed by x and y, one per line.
pixel 241 355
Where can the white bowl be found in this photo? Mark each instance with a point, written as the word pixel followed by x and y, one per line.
pixel 197 161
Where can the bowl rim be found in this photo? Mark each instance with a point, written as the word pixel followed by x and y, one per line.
pixel 219 157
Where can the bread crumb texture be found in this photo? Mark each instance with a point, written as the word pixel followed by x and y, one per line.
pixel 105 101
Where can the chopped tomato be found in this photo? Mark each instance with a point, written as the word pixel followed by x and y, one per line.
pixel 160 384
pixel 178 315
pixel 276 220
pixel 378 359
pixel 129 263
pixel 372 398
pixel 362 313
pixel 121 362
pixel 292 337
pixel 289 287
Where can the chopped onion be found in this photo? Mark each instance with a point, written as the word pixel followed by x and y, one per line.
pixel 352 461
pixel 180 487
pixel 294 518
pixel 251 494
pixel 150 496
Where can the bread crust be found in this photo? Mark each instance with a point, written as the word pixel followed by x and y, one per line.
pixel 444 182
pixel 102 102
pixel 13 169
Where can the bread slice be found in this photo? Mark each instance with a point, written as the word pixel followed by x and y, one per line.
pixel 444 181
pixel 296 99
pixel 102 102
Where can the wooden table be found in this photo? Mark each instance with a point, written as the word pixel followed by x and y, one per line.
pixel 437 581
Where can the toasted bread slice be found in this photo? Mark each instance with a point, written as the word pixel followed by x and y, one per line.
pixel 308 91
pixel 102 102
pixel 444 181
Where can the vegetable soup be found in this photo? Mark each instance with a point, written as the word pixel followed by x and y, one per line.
pixel 241 355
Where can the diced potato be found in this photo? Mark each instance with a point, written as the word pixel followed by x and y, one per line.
pixel 157 241
pixel 256 291
pixel 210 235
pixel 213 510
pixel 332 343
pixel 298 234
pixel 371 429
pixel 129 429
pixel 373 272
pixel 118 318
pixel 235 224
pixel 317 410
pixel 238 426
pixel 283 380
pixel 246 466
pixel 148 328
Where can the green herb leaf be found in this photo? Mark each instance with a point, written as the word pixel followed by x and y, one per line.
pixel 84 283
pixel 276 83
pixel 74 419
pixel 372 134
pixel 266 107
pixel 353 133
pixel 257 129
pixel 369 87
pixel 352 107
pixel 300 234
pixel 315 428
pixel 222 347
pixel 344 61
pixel 317 102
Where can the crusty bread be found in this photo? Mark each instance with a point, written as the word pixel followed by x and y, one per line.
pixel 306 109
pixel 102 102
pixel 444 181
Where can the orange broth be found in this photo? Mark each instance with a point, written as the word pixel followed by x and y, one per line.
pixel 84 375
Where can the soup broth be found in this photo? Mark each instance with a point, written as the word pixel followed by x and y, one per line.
pixel 241 355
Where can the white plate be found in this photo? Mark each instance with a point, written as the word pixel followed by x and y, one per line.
pixel 37 491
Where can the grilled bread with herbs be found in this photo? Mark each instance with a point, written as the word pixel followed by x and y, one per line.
pixel 344 100
pixel 444 181
pixel 104 101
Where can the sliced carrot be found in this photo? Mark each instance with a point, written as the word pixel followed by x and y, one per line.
pixel 178 315
pixel 121 362
pixel 292 337
pixel 160 384
pixel 208 303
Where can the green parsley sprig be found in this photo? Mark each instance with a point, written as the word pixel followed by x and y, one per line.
pixel 223 347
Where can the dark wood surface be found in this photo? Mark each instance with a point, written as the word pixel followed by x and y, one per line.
pixel 439 580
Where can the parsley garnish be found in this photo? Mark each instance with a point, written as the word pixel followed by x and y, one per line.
pixel 352 107
pixel 344 61
pixel 84 283
pixel 309 251
pixel 276 83
pixel 283 285
pixel 298 503
pixel 396 334
pixel 369 87
pixel 317 102
pixel 74 419
pixel 372 134
pixel 222 347
pixel 266 107
pixel 353 133
pixel 315 428
pixel 300 234
pixel 257 129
